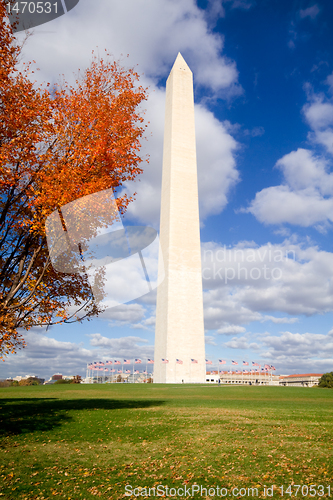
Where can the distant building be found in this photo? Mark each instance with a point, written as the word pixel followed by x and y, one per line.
pixel 54 378
pixel 256 378
pixel 18 378
pixel 301 380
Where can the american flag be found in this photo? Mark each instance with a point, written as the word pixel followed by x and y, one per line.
pixel 238 371
pixel 127 362
pixel 136 371
pixel 255 364
pixel 194 360
pixel 272 367
pixel 267 367
pixel 117 362
pixel 128 371
pixel 151 361
pixel 234 362
pixel 230 371
pixel 179 362
pixel 108 363
pixel 222 361
pixel 208 362
pixel 165 360
pixel 245 371
pixel 113 370
pixel 119 371
pixel 245 363
pixel 145 372
pixel 137 360
pixel 106 369
pixel 101 363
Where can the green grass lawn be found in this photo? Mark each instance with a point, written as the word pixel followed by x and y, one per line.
pixel 90 441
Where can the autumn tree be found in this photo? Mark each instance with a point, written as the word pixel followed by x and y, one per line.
pixel 56 146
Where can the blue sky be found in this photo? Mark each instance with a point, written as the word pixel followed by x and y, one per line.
pixel 263 76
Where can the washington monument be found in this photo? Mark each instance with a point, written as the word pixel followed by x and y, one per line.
pixel 179 337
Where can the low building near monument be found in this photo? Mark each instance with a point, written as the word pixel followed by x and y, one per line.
pixel 301 380
pixel 258 378
pixel 235 378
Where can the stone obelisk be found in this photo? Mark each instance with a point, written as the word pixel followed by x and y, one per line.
pixel 179 338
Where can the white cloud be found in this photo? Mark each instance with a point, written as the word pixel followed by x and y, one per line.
pixel 278 321
pixel 152 32
pixel 325 138
pixel 242 284
pixel 241 4
pixel 96 339
pixel 319 114
pixel 279 204
pixel 302 170
pixel 216 163
pixel 222 309
pixel 238 343
pixel 282 231
pixel 45 356
pixel 210 340
pixel 231 329
pixel 126 313
pixel 310 12
pixel 329 81
pixel 129 347
pixel 290 352
pixel 214 11
pixel 299 345
pixel 306 198
pixel 255 132
pixel 150 321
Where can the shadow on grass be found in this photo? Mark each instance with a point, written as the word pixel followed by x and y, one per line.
pixel 24 415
